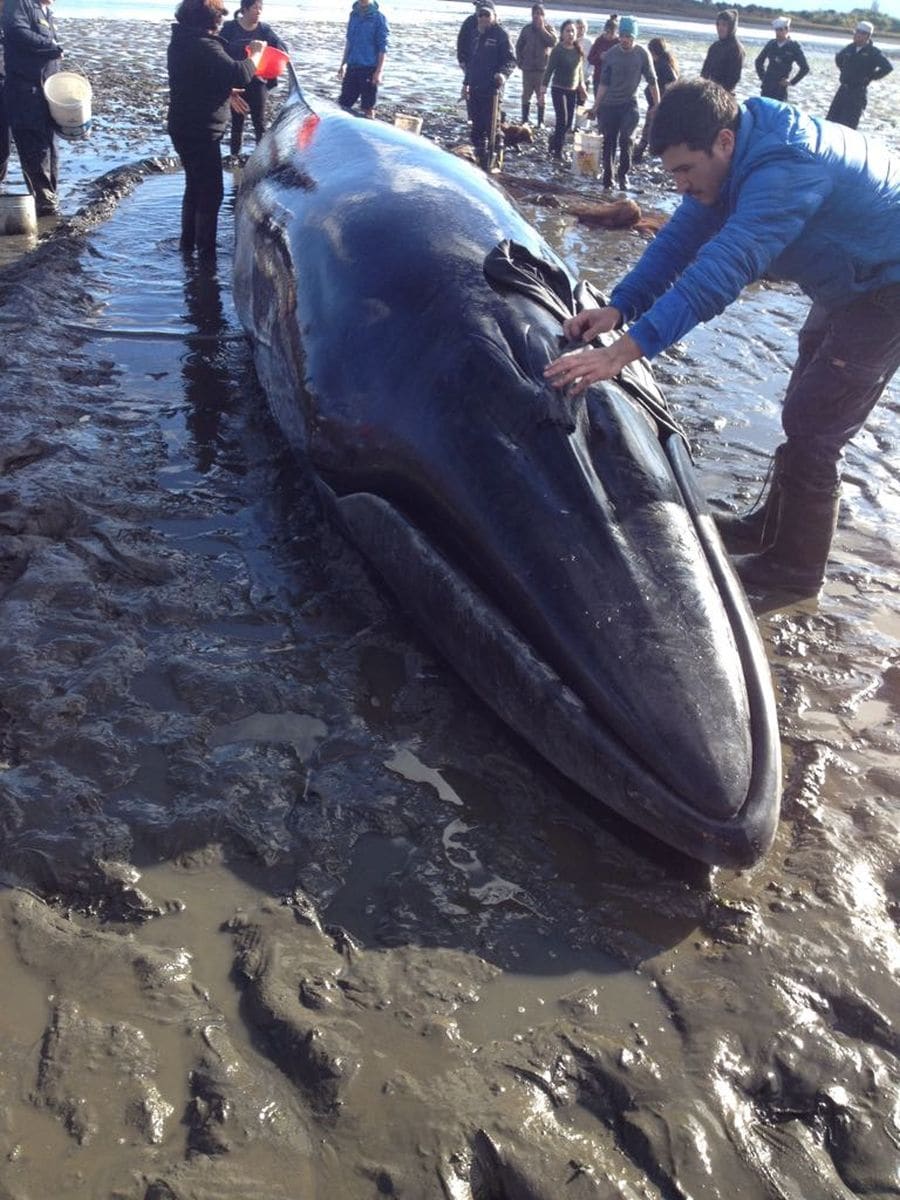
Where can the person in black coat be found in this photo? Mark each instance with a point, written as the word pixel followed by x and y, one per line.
pixel 489 65
pixel 777 59
pixel 4 124
pixel 32 53
pixel 237 36
pixel 860 64
pixel 724 60
pixel 204 84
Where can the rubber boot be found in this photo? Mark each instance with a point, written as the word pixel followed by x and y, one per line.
pixel 639 151
pixel 206 226
pixel 795 560
pixel 755 530
pixel 188 233
pixel 540 109
pixel 525 110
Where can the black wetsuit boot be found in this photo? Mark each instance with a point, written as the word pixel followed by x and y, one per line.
pixel 206 226
pixel 755 530
pixel 796 558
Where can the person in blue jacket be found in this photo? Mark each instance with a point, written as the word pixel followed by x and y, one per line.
pixel 768 190
pixel 32 53
pixel 246 27
pixel 364 52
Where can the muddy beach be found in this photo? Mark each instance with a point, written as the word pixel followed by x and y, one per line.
pixel 286 912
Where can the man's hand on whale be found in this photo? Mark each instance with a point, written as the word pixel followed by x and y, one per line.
pixel 578 369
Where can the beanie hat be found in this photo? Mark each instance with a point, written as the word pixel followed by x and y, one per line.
pixel 865 27
pixel 628 27
pixel 781 23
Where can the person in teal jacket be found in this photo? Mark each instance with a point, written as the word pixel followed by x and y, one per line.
pixel 768 190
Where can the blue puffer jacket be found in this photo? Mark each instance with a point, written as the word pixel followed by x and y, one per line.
pixel 805 200
pixel 367 35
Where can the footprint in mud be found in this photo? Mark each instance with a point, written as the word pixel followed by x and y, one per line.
pixel 134 1053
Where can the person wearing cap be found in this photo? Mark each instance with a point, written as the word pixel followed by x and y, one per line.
pixel 362 63
pixel 490 64
pixel 607 39
pixel 465 38
pixel 724 62
pixel 768 191
pixel 777 59
pixel 860 64
pixel 616 108
pixel 533 46
pixel 32 52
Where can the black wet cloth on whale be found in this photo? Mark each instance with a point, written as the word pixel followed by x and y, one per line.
pixel 510 267
pixel 201 76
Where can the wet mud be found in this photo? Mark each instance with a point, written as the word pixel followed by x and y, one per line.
pixel 285 912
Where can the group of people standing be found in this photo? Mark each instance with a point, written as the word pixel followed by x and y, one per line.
pixel 561 62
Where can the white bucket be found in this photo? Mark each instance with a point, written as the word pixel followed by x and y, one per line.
pixel 17 214
pixel 410 124
pixel 588 153
pixel 69 97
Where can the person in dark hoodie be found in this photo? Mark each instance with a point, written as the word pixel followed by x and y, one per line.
pixel 860 64
pixel 237 36
pixel 363 61
pixel 724 60
pixel 203 80
pixel 4 124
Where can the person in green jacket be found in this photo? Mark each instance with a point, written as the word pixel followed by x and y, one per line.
pixel 565 75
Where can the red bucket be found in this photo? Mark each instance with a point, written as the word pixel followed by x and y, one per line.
pixel 271 62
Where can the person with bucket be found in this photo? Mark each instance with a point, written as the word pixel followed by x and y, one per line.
pixel 362 63
pixel 203 80
pixel 32 53
pixel 237 36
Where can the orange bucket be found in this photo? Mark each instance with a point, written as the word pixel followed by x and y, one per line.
pixel 271 62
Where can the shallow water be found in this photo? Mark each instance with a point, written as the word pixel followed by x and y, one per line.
pixel 304 918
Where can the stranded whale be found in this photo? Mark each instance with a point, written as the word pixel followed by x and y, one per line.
pixel 556 551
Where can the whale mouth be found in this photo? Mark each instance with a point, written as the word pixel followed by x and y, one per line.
pixel 725 818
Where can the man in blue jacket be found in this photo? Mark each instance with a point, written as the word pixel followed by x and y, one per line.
pixel 769 190
pixel 32 53
pixel 364 50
